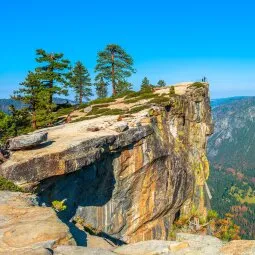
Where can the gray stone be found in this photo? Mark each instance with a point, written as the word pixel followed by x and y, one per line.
pixel 76 250
pixel 87 109
pixel 152 247
pixel 26 141
pixel 120 126
pixel 201 244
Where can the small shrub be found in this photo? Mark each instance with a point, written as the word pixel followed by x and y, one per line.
pixel 211 215
pixel 114 112
pixel 59 205
pixel 87 227
pixel 81 106
pixel 197 85
pixel 132 101
pixel 102 100
pixel 133 94
pixel 124 94
pixel 171 91
pixel 160 101
pixel 138 109
pixel 7 185
pixel 64 111
pixel 97 110
pixel 84 118
pixel 148 96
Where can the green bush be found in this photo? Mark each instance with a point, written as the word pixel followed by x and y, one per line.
pixel 114 112
pixel 97 110
pixel 171 91
pixel 59 205
pixel 134 94
pixel 102 100
pixel 124 94
pixel 138 109
pixel 211 215
pixel 140 96
pixel 197 85
pixel 8 185
pixel 160 101
pixel 64 111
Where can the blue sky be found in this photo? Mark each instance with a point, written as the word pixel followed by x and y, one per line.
pixel 171 40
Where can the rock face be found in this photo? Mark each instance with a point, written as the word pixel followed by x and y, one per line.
pixel 26 141
pixel 129 185
pixel 29 229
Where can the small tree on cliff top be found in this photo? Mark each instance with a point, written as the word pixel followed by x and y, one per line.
pixel 29 94
pixel 161 83
pixel 101 88
pixel 53 73
pixel 146 86
pixel 81 82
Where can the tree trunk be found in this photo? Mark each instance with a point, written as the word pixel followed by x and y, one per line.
pixel 113 77
pixel 51 93
pixel 80 94
pixel 34 125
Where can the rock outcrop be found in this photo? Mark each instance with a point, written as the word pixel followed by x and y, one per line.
pixel 26 141
pixel 128 185
pixel 26 228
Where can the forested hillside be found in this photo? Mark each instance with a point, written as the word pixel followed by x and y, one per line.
pixel 231 152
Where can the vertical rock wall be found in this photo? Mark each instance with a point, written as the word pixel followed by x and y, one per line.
pixel 134 192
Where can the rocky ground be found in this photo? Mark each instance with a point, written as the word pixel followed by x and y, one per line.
pixel 26 228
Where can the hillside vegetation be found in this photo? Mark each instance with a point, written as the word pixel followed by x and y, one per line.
pixel 231 153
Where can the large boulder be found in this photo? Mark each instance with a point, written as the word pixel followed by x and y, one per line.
pixel 152 247
pixel 26 141
pixel 120 126
pixel 26 228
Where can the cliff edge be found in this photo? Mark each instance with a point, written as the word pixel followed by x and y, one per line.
pixel 127 176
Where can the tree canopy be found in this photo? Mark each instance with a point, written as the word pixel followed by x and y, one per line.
pixel 53 72
pixel 114 65
pixel 81 82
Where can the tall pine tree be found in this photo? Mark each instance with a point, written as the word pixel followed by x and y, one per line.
pixel 101 88
pixel 53 72
pixel 81 82
pixel 113 65
pixel 29 94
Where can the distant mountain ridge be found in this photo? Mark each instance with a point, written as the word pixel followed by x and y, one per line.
pixel 6 103
pixel 227 100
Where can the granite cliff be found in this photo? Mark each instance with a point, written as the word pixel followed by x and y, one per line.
pixel 128 177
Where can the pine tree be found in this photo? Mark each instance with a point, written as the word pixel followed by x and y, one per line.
pixel 123 86
pixel 146 86
pixel 81 82
pixel 53 73
pixel 161 83
pixel 114 64
pixel 101 88
pixel 29 94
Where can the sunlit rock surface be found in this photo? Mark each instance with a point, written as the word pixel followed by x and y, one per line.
pixel 129 185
